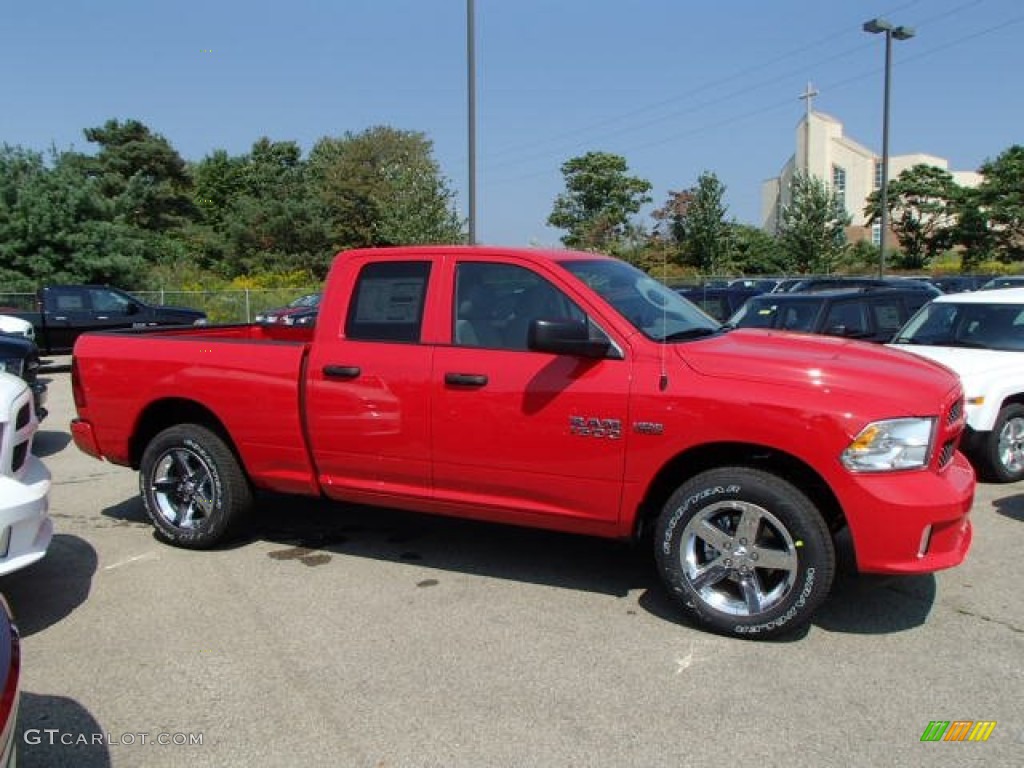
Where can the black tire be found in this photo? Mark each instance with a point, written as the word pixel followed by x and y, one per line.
pixel 193 488
pixel 1001 457
pixel 732 588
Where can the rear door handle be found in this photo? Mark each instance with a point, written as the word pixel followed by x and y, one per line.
pixel 465 379
pixel 341 371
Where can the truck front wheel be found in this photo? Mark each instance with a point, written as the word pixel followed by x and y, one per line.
pixel 744 552
pixel 1002 454
pixel 192 487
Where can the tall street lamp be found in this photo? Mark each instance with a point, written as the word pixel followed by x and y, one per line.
pixel 877 26
pixel 471 112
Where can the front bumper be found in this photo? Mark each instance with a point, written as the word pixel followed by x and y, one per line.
pixel 25 525
pixel 910 522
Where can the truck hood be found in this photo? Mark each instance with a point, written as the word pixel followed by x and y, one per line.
pixel 976 367
pixel 839 366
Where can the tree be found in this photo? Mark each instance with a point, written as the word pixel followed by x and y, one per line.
pixel 755 252
pixel 599 199
pixel 57 226
pixel 973 231
pixel 922 206
pixel 813 225
pixel 1001 196
pixel 383 187
pixel 696 222
pixel 142 173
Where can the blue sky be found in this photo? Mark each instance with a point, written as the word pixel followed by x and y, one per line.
pixel 675 87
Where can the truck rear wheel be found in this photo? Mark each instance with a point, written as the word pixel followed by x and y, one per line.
pixel 1002 454
pixel 192 487
pixel 744 552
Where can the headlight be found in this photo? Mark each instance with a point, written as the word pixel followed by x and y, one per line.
pixel 200 321
pixel 13 365
pixel 883 446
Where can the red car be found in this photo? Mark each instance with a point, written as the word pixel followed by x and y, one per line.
pixel 10 684
pixel 301 304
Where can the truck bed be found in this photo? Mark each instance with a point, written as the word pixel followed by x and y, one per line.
pixel 247 377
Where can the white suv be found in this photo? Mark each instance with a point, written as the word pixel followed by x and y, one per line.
pixel 25 525
pixel 980 335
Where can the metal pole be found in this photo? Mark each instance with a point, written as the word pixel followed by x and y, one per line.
pixel 471 88
pixel 883 193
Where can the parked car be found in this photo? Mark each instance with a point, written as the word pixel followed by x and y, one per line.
pixel 868 314
pixel 25 525
pixel 20 356
pixel 306 317
pixel 10 685
pixel 837 282
pixel 566 390
pixel 1006 281
pixel 958 283
pixel 65 312
pixel 17 326
pixel 279 314
pixel 720 303
pixel 980 335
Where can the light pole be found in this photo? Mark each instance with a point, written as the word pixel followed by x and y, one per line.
pixel 876 26
pixel 471 110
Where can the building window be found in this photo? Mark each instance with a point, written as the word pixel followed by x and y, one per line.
pixel 876 233
pixel 878 174
pixel 839 185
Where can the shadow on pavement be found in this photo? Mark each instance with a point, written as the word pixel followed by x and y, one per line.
pixel 48 442
pixel 45 592
pixel 81 734
pixel 1011 507
pixel 313 532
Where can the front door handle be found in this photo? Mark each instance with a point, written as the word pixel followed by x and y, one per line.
pixel 341 371
pixel 465 379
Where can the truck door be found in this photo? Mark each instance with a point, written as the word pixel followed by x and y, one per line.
pixel 66 310
pixel 367 392
pixel 528 436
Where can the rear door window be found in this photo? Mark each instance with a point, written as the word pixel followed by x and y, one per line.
pixel 388 302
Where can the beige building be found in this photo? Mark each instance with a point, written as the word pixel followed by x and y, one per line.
pixel 853 170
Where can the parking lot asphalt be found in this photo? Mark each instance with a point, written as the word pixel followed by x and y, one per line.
pixel 342 636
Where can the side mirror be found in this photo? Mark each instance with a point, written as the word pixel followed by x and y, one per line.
pixel 565 337
pixel 131 309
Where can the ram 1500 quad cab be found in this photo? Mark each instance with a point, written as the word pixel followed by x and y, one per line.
pixel 560 390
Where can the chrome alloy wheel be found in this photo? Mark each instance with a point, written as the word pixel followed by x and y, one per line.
pixel 1011 445
pixel 739 558
pixel 183 488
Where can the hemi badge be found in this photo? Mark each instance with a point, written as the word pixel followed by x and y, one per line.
pixel 648 427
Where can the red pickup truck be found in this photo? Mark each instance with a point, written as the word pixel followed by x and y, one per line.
pixel 555 389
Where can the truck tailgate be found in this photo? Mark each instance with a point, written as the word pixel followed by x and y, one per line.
pixel 245 378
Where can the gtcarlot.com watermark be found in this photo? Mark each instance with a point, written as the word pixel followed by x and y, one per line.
pixel 55 737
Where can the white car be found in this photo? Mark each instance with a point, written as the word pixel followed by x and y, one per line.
pixel 17 327
pixel 25 525
pixel 980 335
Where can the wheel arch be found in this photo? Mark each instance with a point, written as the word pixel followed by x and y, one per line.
pixel 697 459
pixel 171 412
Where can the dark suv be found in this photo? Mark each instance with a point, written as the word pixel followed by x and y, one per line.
pixel 20 356
pixel 869 313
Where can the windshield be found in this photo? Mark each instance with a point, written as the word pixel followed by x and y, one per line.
pixel 655 310
pixel 770 312
pixel 982 326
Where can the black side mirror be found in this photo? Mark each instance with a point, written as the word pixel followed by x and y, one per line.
pixel 565 337
pixel 131 309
